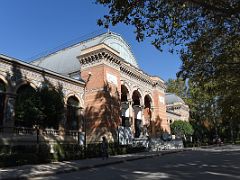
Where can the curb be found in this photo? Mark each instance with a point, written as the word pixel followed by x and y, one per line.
pixel 74 169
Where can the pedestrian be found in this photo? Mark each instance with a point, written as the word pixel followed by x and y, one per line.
pixel 104 148
pixel 219 141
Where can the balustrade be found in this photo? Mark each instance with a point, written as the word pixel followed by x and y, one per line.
pixel 32 131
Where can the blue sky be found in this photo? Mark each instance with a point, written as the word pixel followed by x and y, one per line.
pixel 30 27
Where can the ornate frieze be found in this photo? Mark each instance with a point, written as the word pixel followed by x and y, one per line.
pixel 134 73
pixel 17 74
pixel 102 54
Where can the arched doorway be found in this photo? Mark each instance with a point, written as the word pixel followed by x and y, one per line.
pixel 136 99
pixel 73 113
pixel 147 115
pixel 2 100
pixel 125 106
pixel 25 106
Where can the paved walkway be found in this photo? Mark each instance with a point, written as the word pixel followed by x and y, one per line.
pixel 30 171
pixel 215 148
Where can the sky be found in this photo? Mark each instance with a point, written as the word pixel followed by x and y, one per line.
pixel 32 27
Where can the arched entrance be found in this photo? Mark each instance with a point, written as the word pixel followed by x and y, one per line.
pixel 147 115
pixel 136 99
pixel 25 107
pixel 2 100
pixel 125 106
pixel 73 113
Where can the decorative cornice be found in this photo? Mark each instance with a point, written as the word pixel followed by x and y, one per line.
pixel 103 52
pixel 140 75
pixel 174 113
pixel 32 68
pixel 97 54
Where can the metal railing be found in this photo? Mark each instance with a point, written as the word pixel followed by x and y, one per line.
pixel 23 130
pixel 50 132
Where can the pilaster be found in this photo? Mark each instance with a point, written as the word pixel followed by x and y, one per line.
pixel 9 112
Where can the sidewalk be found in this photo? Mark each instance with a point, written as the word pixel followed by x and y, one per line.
pixel 30 171
pixel 217 148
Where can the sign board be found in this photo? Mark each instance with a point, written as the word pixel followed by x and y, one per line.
pixel 112 79
pixel 161 99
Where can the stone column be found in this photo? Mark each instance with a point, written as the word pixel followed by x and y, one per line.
pixel 152 120
pixel 9 112
pixel 137 115
pixel 130 112
pixel 62 124
pixel 143 118
pixel 131 117
pixel 2 107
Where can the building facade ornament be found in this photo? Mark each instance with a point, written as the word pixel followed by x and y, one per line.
pixel 103 76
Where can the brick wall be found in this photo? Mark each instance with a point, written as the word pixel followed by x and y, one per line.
pixel 102 107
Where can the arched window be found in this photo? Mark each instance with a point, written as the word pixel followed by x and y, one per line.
pixel 73 113
pixel 25 107
pixel 147 107
pixel 136 98
pixel 124 93
pixel 125 106
pixel 2 100
pixel 148 114
pixel 2 86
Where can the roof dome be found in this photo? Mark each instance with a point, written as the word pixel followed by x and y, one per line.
pixel 173 98
pixel 64 61
pixel 116 42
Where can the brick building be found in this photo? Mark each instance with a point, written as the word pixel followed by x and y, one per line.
pixel 112 96
pixel 177 109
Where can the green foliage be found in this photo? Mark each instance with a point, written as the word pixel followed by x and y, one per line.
pixel 44 107
pixel 52 107
pixel 181 128
pixel 177 87
pixel 28 107
pixel 24 154
pixel 18 159
pixel 35 154
pixel 5 149
pixel 2 86
pixel 206 35
pixel 172 22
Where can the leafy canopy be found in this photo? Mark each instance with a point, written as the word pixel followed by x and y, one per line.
pixel 174 22
pixel 44 107
pixel 177 87
pixel 181 128
pixel 206 34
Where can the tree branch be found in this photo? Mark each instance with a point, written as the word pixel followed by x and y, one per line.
pixel 224 11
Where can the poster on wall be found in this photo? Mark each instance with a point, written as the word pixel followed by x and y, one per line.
pixel 112 79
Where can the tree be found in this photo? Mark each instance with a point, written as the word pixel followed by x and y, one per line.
pixel 28 107
pixel 181 128
pixel 173 22
pixel 178 87
pixel 204 112
pixel 52 106
pixel 43 107
pixel 205 33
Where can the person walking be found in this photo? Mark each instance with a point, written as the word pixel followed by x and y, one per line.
pixel 104 148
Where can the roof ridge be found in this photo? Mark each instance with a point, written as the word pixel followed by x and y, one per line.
pixel 65 47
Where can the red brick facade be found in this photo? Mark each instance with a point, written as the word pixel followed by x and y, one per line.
pixel 102 69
